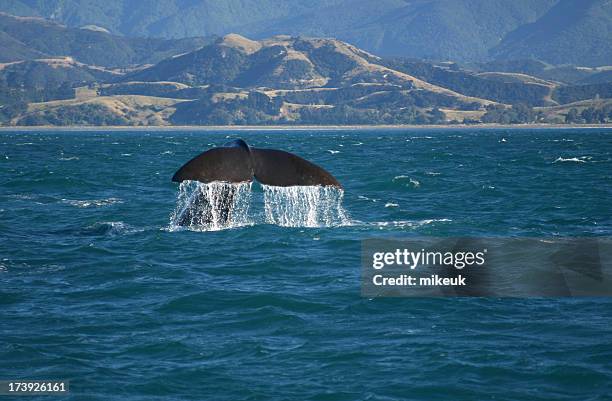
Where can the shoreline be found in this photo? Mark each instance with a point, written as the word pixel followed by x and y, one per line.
pixel 97 128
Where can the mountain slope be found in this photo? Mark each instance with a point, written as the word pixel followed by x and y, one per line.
pixel 45 73
pixel 13 49
pixel 573 32
pixel 29 38
pixel 439 29
pixel 556 31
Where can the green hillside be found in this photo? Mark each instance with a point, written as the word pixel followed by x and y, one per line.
pixel 463 30
pixel 572 32
pixel 293 80
pixel 51 74
pixel 29 38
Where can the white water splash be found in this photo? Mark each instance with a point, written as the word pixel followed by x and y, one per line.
pixel 304 206
pixel 220 205
pixel 211 207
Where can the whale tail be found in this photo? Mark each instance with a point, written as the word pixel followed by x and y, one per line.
pixel 238 162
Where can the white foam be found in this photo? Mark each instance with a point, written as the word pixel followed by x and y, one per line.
pixel 20 196
pixel 114 228
pixel 92 202
pixel 581 159
pixel 411 181
pixel 368 199
pixel 408 223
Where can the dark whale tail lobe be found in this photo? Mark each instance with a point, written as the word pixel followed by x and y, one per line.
pixel 229 164
pixel 237 162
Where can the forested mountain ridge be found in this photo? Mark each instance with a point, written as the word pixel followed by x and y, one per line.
pixel 554 31
pixel 571 32
pixel 30 38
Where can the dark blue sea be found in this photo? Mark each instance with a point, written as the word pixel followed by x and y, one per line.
pixel 98 287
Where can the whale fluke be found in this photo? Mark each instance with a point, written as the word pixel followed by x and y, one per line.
pixel 238 162
pixel 231 164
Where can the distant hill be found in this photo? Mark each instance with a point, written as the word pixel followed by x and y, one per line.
pixel 509 88
pixel 33 38
pixel 461 30
pixel 565 73
pixel 282 62
pixel 285 62
pixel 575 32
pixel 284 79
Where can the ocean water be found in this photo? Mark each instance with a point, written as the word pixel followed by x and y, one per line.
pixel 98 286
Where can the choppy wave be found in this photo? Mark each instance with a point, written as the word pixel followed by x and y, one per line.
pixel 238 305
pixel 409 180
pixel 408 223
pixel 374 200
pixel 20 196
pixel 112 228
pixel 92 202
pixel 581 159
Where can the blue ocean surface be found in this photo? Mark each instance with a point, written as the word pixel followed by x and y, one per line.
pixel 97 286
